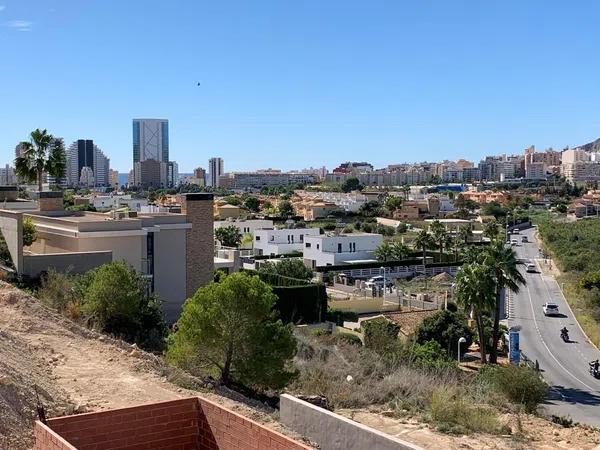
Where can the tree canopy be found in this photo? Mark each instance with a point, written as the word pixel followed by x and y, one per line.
pixel 41 154
pixel 288 267
pixel 229 330
pixel 228 236
pixel 351 184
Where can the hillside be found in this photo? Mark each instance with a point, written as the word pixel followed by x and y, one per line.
pixel 77 370
pixel 593 146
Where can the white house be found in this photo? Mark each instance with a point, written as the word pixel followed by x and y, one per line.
pixel 281 242
pixel 329 250
pixel 245 225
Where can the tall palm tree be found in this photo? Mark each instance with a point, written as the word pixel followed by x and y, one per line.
pixel 438 232
pixel 474 291
pixel 384 252
pixel 41 154
pixel 502 261
pixel 399 250
pixel 424 241
pixel 491 230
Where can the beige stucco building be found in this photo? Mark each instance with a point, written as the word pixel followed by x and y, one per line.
pixel 175 251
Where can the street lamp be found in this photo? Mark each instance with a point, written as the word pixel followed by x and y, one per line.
pixel 462 340
pixel 382 269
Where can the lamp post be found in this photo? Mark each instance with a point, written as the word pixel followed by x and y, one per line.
pixel 382 269
pixel 462 340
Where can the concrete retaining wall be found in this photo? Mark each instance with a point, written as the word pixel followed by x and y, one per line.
pixel 332 431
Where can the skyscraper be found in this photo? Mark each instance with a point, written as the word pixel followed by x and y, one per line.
pixel 215 166
pixel 150 140
pixel 81 154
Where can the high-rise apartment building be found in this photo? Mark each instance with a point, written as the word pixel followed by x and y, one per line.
pixel 113 178
pixel 150 140
pixel 7 176
pixel 215 167
pixel 84 154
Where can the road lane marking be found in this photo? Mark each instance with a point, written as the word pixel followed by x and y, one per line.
pixel 537 328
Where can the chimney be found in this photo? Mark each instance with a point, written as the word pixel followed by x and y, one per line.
pixel 200 241
pixel 50 201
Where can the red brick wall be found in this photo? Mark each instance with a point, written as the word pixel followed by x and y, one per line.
pixel 169 425
pixel 186 424
pixel 222 429
pixel 46 439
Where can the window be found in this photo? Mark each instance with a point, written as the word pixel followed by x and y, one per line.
pixel 307 245
pixel 301 238
pixel 340 247
pixel 258 238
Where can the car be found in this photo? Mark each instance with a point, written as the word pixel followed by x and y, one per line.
pixel 515 231
pixel 524 239
pixel 550 309
pixel 514 242
pixel 378 281
pixel 531 268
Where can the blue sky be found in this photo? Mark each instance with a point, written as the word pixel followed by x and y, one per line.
pixel 290 84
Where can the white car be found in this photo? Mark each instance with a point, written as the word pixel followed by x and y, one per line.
pixel 531 268
pixel 378 281
pixel 514 242
pixel 550 309
pixel 515 231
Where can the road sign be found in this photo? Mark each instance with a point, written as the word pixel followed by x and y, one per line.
pixel 514 351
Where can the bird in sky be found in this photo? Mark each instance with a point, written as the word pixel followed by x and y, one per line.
pixel 198 83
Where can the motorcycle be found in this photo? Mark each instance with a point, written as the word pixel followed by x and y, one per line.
pixel 594 372
pixel 564 335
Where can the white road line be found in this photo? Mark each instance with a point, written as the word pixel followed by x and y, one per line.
pixel 546 346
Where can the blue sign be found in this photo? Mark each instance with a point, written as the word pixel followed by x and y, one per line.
pixel 514 351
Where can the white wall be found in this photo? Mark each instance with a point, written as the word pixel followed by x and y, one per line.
pixel 245 226
pixel 324 250
pixel 280 242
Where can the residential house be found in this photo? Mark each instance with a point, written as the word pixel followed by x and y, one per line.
pixel 270 241
pixel 335 249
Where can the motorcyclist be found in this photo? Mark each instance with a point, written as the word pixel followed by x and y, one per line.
pixel 595 366
pixel 564 332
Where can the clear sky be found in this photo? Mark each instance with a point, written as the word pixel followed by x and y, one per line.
pixel 290 84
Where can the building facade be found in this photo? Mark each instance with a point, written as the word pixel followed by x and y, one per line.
pixel 332 250
pixel 216 170
pixel 281 242
pixel 150 140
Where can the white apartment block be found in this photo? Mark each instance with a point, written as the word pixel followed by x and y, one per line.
pixel 331 250
pixel 108 202
pixel 246 226
pixel 282 242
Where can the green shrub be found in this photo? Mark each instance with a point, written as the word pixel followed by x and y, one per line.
pixel 430 354
pixel 519 384
pixel 116 302
pixel 29 232
pixel 339 317
pixel 446 328
pixel 380 335
pixel 349 338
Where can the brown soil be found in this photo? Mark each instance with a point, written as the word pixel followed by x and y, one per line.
pixel 76 370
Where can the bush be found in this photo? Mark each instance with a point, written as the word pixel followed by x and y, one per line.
pixel 380 335
pixel 446 328
pixel 519 384
pixel 63 292
pixel 29 232
pixel 452 413
pixel 349 338
pixel 116 302
pixel 430 354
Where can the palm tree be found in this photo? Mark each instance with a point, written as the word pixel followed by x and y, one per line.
pixel 383 252
pixel 399 250
pixel 491 230
pixel 474 291
pixel 438 232
pixel 457 245
pixel 424 241
pixel 502 261
pixel 41 154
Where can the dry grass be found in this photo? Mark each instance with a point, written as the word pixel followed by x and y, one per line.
pixel 581 303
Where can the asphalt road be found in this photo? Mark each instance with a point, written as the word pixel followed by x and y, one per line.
pixel 574 392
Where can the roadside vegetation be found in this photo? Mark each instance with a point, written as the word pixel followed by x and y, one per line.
pixel 575 246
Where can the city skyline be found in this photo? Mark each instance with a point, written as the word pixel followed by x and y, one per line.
pixel 288 86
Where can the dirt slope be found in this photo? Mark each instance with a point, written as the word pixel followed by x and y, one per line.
pixel 75 369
